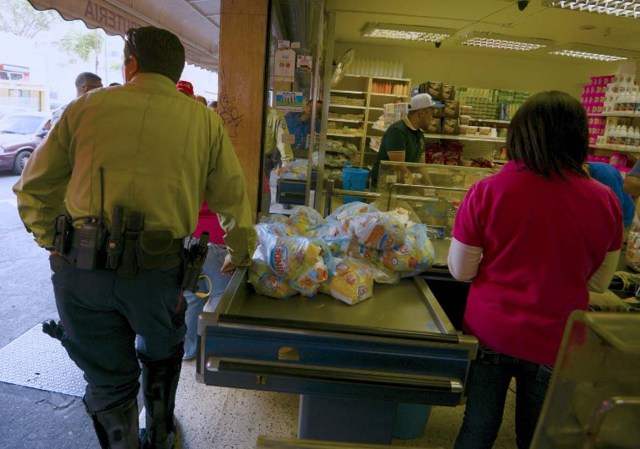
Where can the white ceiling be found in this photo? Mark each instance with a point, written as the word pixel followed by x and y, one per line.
pixel 495 16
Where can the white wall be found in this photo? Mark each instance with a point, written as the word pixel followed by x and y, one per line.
pixel 482 68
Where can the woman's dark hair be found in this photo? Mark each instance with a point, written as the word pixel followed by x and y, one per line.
pixel 157 51
pixel 549 134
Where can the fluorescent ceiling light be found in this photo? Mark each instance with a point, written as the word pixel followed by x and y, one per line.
pixel 591 52
pixel 612 7
pixel 502 42
pixel 405 32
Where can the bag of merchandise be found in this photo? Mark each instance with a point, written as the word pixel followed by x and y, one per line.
pixel 309 281
pixel 267 283
pixel 380 273
pixel 351 209
pixel 348 283
pixel 288 257
pixel 265 230
pixel 378 230
pixel 414 256
pixel 304 219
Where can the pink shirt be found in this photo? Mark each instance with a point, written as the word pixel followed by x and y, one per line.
pixel 208 221
pixel 542 240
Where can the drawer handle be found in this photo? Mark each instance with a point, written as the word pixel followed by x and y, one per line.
pixel 288 353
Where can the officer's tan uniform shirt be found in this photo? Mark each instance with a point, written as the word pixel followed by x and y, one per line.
pixel 161 153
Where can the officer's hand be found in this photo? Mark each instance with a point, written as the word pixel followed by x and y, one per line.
pixel 228 267
pixel 53 329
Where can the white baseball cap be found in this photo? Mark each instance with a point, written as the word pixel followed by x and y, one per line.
pixel 422 101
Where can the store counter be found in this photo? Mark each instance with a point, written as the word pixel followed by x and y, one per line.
pixel 351 364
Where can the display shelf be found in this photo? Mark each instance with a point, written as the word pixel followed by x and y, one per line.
pixel 386 78
pixel 389 95
pixel 334 105
pixel 620 148
pixel 489 120
pixel 465 137
pixel 329 133
pixel 354 92
pixel 378 128
pixel 358 86
pixel 344 120
pixel 620 114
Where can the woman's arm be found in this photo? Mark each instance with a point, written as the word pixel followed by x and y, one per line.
pixel 599 282
pixel 463 260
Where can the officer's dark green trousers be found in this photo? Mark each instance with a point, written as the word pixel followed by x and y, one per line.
pixel 113 322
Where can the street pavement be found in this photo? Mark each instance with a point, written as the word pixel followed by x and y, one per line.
pixel 31 418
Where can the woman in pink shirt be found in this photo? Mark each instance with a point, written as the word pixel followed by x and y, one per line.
pixel 534 239
pixel 217 251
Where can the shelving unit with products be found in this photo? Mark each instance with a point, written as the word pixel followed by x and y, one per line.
pixel 355 104
pixel 612 103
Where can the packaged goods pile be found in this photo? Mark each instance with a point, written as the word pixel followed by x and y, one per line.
pixel 341 255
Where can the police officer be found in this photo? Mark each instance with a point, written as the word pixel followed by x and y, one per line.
pixel 146 147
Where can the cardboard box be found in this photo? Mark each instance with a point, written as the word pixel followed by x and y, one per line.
pixel 450 126
pixel 435 127
pixel 451 109
pixel 448 92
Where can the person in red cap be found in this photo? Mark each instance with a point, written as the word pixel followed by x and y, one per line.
pixel 185 87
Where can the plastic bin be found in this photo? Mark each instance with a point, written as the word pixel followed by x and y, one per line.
pixel 354 179
pixel 410 420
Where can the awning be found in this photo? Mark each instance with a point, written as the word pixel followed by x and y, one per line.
pixel 195 22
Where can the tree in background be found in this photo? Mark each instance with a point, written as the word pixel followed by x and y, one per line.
pixel 83 44
pixel 20 18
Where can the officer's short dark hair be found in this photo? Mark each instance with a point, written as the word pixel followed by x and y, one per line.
pixel 157 51
pixel 550 133
pixel 87 79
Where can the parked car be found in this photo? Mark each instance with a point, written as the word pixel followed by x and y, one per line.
pixel 20 134
pixel 8 110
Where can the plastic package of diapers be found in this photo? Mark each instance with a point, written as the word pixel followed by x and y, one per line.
pixel 349 283
pixel 304 219
pixel 267 283
pixel 415 256
pixel 376 230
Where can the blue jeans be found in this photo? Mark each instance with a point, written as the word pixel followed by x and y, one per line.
pixel 195 306
pixel 487 387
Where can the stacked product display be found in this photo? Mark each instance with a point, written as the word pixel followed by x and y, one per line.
pixel 613 102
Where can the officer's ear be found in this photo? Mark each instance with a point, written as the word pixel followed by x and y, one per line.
pixel 130 67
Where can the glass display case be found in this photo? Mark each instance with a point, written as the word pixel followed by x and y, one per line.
pixel 432 191
pixel 593 399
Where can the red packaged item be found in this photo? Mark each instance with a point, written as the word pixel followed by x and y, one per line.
pixel 434 155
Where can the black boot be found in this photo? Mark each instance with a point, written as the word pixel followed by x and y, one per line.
pixel 159 385
pixel 117 427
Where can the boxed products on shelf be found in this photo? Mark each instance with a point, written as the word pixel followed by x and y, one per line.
pixel 621 95
pixel 400 89
pixel 593 94
pixel 438 90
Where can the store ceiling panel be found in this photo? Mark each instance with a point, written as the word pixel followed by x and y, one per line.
pixel 196 22
pixel 536 21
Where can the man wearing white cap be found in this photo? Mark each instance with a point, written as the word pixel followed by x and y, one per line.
pixel 404 138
